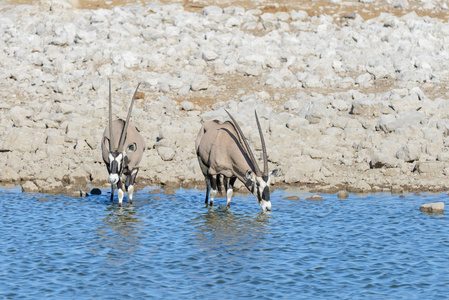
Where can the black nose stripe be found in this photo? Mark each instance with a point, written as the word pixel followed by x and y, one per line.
pixel 266 194
pixel 114 167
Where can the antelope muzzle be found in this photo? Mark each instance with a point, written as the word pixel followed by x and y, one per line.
pixel 115 167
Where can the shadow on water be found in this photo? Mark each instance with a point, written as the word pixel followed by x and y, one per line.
pixel 227 230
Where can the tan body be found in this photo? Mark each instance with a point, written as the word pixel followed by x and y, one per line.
pixel 219 153
pixel 223 151
pixel 132 158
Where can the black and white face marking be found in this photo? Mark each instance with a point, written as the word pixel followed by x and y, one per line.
pixel 262 193
pixel 260 187
pixel 115 166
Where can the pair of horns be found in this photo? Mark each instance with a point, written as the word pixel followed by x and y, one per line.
pixel 125 128
pixel 248 149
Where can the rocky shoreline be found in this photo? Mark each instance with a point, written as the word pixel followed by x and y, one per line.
pixel 357 105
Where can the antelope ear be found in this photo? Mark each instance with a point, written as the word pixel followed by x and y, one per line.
pixel 249 175
pixel 106 142
pixel 275 172
pixel 131 148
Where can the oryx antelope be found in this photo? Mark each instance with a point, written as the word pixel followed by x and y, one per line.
pixel 122 155
pixel 223 150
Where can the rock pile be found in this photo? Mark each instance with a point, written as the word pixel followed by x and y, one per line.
pixel 360 104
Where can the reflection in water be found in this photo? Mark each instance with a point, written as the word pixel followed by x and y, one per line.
pixel 220 227
pixel 120 233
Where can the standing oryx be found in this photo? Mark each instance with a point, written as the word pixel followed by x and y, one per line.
pixel 222 149
pixel 122 156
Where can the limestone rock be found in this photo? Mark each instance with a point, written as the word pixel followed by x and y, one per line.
pixel 409 153
pixel 429 167
pixel 383 160
pixel 166 153
pixel 29 187
pixel 342 194
pixel 199 83
pixel 360 186
pixel 435 207
pixel 316 197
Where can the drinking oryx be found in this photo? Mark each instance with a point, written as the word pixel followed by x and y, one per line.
pixel 223 150
pixel 122 156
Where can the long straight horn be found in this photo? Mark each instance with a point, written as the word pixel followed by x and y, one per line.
pixel 264 148
pixel 125 128
pixel 248 149
pixel 111 132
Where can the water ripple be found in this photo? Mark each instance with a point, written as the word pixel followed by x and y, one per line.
pixel 370 247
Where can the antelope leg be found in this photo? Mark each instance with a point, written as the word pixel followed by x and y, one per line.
pixel 130 188
pixel 112 192
pixel 230 190
pixel 121 193
pixel 207 188
pixel 213 192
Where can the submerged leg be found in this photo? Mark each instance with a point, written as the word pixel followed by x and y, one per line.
pixel 112 193
pixel 121 193
pixel 207 188
pixel 213 192
pixel 131 181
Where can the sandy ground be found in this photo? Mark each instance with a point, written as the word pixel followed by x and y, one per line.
pixel 335 8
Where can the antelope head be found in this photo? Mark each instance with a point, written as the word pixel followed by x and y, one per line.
pixel 258 182
pixel 117 156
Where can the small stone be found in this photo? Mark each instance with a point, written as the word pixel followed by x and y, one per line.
pixel 187 105
pixel 95 191
pixel 435 207
pixel 199 83
pixel 209 55
pixel 166 153
pixel 292 198
pixel 316 197
pixel 29 187
pixel 342 194
pixel 213 11
pixel 140 95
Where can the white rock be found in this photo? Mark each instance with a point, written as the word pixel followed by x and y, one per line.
pixel 212 11
pixel 364 80
pixel 409 152
pixel 383 160
pixel 29 187
pixel 200 82
pixel 435 207
pixel 187 105
pixel 167 154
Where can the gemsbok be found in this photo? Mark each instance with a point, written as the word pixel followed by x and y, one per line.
pixel 122 156
pixel 223 150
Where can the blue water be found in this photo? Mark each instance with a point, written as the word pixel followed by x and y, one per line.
pixel 378 246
